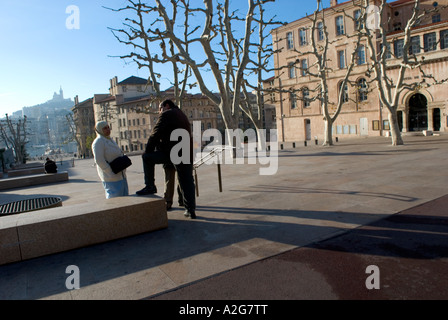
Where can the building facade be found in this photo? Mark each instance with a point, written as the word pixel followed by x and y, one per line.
pixel 299 117
pixel 84 122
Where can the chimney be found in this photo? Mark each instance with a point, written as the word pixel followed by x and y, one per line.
pixel 76 100
pixel 333 3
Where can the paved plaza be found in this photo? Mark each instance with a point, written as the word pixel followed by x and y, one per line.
pixel 266 236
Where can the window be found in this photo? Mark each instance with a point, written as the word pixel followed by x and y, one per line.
pixel 289 40
pixel 304 67
pixel 359 25
pixel 398 48
pixel 444 39
pixel 388 50
pixel 291 70
pixel 339 25
pixel 436 18
pixel 293 100
pixel 430 41
pixel 361 55
pixel 344 90
pixel 306 97
pixel 302 37
pixel 320 31
pixel 341 59
pixel 362 90
pixel 397 26
pixel 414 48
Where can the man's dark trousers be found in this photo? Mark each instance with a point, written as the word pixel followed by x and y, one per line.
pixel 184 176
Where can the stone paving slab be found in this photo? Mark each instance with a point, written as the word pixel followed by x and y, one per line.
pixel 317 193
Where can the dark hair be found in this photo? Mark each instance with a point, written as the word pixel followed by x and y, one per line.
pixel 169 103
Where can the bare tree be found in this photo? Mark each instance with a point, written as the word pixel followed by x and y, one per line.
pixel 144 42
pixel 390 83
pixel 216 46
pixel 72 132
pixel 14 134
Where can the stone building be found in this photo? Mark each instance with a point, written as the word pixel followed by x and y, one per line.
pixel 84 121
pixel 300 118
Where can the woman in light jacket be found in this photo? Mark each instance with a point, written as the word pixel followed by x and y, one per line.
pixel 105 150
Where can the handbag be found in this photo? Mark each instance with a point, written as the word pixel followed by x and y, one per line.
pixel 120 163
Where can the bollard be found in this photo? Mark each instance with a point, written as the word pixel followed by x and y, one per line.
pixel 293 144
pixel 304 143
pixel 316 141
pixel 219 177
pixel 337 140
pixel 281 146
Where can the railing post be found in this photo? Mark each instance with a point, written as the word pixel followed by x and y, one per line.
pixel 196 183
pixel 219 177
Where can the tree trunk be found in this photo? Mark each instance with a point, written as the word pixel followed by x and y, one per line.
pixel 394 129
pixel 328 135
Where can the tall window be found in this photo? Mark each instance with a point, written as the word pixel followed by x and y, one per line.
pixel 430 41
pixel 361 55
pixel 320 31
pixel 398 48
pixel 291 70
pixel 306 97
pixel 414 48
pixel 289 40
pixel 388 50
pixel 339 25
pixel 293 100
pixel 362 90
pixel 344 92
pixel 359 25
pixel 302 37
pixel 444 39
pixel 341 59
pixel 304 67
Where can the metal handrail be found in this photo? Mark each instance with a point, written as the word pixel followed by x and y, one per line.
pixel 213 153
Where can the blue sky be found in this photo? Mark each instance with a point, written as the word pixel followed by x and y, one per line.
pixel 39 54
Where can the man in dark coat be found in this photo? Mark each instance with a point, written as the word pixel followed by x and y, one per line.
pixel 50 166
pixel 158 151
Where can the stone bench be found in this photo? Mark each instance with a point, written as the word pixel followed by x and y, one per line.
pixel 31 180
pixel 48 231
pixel 25 172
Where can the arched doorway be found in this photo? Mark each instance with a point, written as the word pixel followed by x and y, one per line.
pixel 418 113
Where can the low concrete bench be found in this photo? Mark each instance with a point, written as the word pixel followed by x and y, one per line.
pixel 31 180
pixel 25 172
pixel 48 231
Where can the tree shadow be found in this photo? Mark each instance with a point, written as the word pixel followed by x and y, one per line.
pixel 300 190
